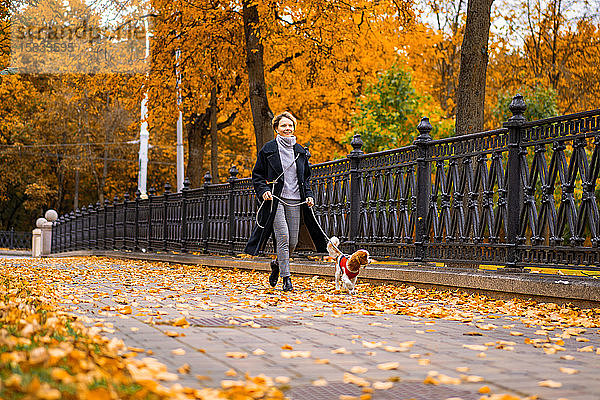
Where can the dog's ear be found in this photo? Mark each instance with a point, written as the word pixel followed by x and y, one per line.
pixel 354 262
pixel 363 256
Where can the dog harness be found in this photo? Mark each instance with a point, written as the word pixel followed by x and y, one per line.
pixel 342 262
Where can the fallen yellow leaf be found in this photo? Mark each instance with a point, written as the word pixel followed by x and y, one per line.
pixel 282 380
pixel 295 354
pixel 484 389
pixel 236 354
pixel 355 380
pixel 550 383
pixel 180 322
pixel 568 371
pixel 476 347
pixel 379 385
pixel 472 378
pixel 178 352
pixel 184 369
pixel 448 380
pixel 341 350
pixel 388 365
pixel 358 369
pixel 125 310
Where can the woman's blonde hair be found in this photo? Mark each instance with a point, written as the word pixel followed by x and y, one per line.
pixel 278 118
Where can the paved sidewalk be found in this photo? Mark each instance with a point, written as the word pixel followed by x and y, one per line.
pixel 15 253
pixel 396 336
pixel 579 290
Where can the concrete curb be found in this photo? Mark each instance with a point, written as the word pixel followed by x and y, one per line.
pixel 583 292
pixel 26 253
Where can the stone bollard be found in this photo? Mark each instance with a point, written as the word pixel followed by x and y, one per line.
pixel 41 244
pixel 36 240
pixel 50 217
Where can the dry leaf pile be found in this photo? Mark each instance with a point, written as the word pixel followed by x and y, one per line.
pixel 47 354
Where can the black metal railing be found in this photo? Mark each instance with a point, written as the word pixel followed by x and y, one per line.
pixel 12 239
pixel 524 195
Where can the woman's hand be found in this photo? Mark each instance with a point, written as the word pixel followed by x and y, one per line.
pixel 267 195
pixel 310 201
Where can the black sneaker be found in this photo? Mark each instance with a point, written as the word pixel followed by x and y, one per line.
pixel 287 284
pixel 274 277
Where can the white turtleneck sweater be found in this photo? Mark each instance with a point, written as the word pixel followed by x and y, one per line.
pixel 291 190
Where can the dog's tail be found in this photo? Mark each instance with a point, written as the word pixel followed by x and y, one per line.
pixel 333 247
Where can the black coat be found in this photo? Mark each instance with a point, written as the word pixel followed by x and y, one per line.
pixel 267 168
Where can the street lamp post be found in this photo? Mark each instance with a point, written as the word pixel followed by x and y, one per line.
pixel 144 135
pixel 180 171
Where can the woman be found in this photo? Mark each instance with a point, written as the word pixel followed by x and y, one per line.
pixel 281 179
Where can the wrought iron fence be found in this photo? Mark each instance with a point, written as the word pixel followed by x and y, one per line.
pixel 523 195
pixel 15 240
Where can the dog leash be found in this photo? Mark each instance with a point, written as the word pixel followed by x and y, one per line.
pixel 272 183
pixel 290 205
pixel 323 232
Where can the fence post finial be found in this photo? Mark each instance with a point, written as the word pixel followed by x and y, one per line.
pixel 517 107
pixel 167 188
pixel 424 129
pixel 356 144
pixel 233 172
pixel 207 178
pixel 186 184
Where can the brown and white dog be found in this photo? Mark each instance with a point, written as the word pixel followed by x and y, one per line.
pixel 347 267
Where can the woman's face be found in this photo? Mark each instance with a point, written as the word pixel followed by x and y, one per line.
pixel 285 127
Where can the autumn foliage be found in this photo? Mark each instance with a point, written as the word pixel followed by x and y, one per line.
pixel 69 139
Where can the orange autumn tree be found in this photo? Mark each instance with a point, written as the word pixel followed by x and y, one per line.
pixel 433 52
pixel 67 135
pixel 209 40
pixel 318 58
pixel 340 49
pixel 553 45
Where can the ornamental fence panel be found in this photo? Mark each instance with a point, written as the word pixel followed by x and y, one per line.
pixel 525 195
pixel 12 239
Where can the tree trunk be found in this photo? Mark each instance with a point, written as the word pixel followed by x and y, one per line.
pixel 197 133
pixel 259 104
pixel 107 138
pixel 470 96
pixel 76 195
pixel 214 137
